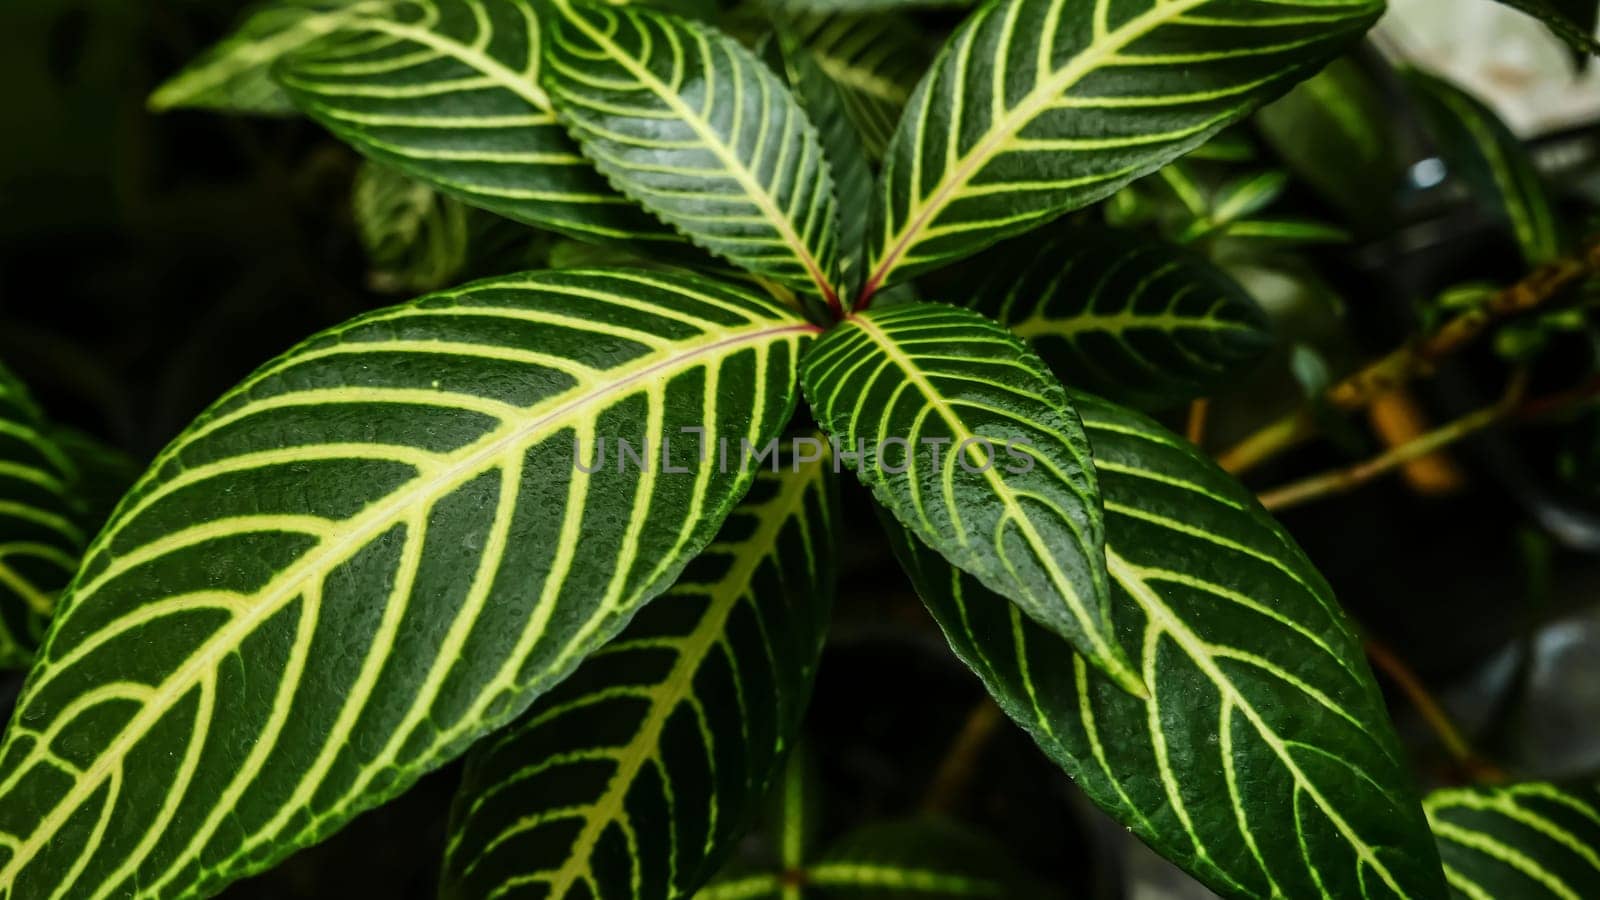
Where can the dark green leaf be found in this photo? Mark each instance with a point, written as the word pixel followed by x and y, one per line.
pixel 929 858
pixel 1526 841
pixel 1262 762
pixel 1478 148
pixel 635 775
pixel 1133 318
pixel 875 59
pixel 447 91
pixel 416 238
pixel 690 124
pixel 965 436
pixel 1037 107
pixel 377 548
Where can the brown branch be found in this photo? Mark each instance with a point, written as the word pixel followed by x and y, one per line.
pixel 962 757
pixel 1433 713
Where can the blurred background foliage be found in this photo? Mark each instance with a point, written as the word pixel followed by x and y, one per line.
pixel 147 262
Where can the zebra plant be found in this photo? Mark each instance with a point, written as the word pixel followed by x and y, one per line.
pixel 571 524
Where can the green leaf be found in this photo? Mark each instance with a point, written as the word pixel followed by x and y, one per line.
pixel 377 548
pixel 687 122
pixel 1495 166
pixel 860 6
pixel 927 858
pixel 235 75
pixel 634 777
pixel 41 531
pixel 447 92
pixel 875 59
pixel 1262 762
pixel 1519 841
pixel 1129 317
pixel 965 436
pixel 104 474
pixel 824 103
pixel 1037 107
pixel 416 238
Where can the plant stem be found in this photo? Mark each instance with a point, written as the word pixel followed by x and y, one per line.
pixel 962 757
pixel 1342 480
pixel 1418 357
pixel 1198 412
pixel 1438 721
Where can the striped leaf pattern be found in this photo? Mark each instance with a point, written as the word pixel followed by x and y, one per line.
pixel 965 436
pixel 416 238
pixel 1124 316
pixel 1519 841
pixel 1263 761
pixel 377 548
pixel 1037 107
pixel 1494 165
pixel 689 123
pixel 41 532
pixel 447 91
pixel 874 59
pixel 635 775
pixel 235 75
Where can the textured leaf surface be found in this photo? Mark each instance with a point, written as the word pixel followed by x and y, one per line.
pixel 416 238
pixel 235 75
pixel 1519 841
pixel 375 549
pixel 961 431
pixel 1036 107
pixel 691 125
pixel 1124 316
pixel 875 59
pixel 635 775
pixel 447 91
pixel 41 533
pixel 1263 761
pixel 1478 148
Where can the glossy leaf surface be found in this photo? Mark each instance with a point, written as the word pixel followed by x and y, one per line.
pixel 1519 841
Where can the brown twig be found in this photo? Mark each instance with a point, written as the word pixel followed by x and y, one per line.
pixel 1199 411
pixel 1433 713
pixel 962 758
pixel 1418 358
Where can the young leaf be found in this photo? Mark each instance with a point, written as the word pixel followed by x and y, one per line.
pixel 964 435
pixel 447 91
pixel 1491 161
pixel 41 533
pixel 1523 841
pixel 1037 107
pixel 377 548
pixel 1133 318
pixel 1262 762
pixel 635 775
pixel 235 75
pixel 875 59
pixel 415 238
pixel 691 125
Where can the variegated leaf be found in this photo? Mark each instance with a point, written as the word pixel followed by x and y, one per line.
pixel 965 436
pixel 447 91
pixel 1037 107
pixel 415 237
pixel 1529 841
pixel 875 60
pixel 41 531
pixel 1128 317
pixel 634 777
pixel 689 123
pixel 374 550
pixel 1263 761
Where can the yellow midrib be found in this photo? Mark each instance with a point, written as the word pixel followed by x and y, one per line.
pixel 775 514
pixel 921 212
pixel 1106 656
pixel 285 586
pixel 757 193
pixel 1042 325
pixel 1129 576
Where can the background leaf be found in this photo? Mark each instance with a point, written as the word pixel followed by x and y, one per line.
pixel 692 126
pixel 447 91
pixel 875 59
pixel 1037 107
pixel 365 557
pixel 41 530
pixel 1522 841
pixel 1494 165
pixel 1263 761
pixel 416 238
pixel 1129 317
pixel 1010 495
pixel 634 777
